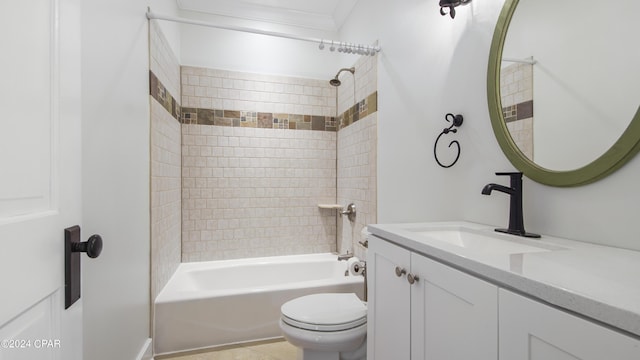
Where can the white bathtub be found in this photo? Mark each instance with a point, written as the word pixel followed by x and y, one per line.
pixel 215 303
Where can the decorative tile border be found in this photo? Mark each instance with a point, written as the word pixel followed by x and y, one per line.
pixel 523 110
pixel 360 110
pixel 254 119
pixel 159 92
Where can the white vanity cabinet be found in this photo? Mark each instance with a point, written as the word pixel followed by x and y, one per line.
pixel 422 309
pixel 389 302
pixel 530 330
pixel 504 310
pixel 444 314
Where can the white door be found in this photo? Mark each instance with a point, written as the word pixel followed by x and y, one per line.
pixel 40 182
pixel 389 319
pixel 530 330
pixel 454 316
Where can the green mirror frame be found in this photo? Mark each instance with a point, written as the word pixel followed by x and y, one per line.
pixel 622 150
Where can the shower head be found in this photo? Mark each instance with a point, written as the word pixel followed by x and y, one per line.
pixel 335 81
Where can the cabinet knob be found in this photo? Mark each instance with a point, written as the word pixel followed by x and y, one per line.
pixel 411 278
pixel 400 271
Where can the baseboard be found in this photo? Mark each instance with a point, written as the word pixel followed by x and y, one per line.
pixel 146 353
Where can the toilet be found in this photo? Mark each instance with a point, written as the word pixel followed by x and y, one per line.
pixel 326 326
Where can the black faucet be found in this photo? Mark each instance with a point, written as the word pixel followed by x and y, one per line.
pixel 516 222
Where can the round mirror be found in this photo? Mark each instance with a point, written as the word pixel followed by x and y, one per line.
pixel 563 88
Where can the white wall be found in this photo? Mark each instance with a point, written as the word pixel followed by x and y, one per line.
pixel 115 179
pixel 230 50
pixel 415 91
pixel 431 65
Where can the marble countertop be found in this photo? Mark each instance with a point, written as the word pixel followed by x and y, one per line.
pixel 599 282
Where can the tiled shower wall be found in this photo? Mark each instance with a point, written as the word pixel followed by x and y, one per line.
pixel 366 83
pixel 357 152
pixel 165 161
pixel 357 180
pixel 259 154
pixel 238 91
pixel 516 89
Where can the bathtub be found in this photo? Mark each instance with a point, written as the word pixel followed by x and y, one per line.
pixel 208 304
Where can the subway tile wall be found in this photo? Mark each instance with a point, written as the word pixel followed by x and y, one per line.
pixel 163 62
pixel 516 84
pixel 366 83
pixel 238 91
pixel 251 192
pixel 357 151
pixel 357 180
pixel 516 91
pixel 165 196
pixel 251 184
pixel 165 161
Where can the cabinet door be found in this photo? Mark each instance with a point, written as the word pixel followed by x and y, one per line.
pixel 533 331
pixel 454 316
pixel 388 319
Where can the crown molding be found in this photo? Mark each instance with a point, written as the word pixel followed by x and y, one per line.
pixel 278 15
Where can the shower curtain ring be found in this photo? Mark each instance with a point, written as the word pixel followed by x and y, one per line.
pixel 321 46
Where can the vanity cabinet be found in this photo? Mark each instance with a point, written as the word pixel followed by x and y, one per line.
pixel 421 309
pixel 389 302
pixel 530 330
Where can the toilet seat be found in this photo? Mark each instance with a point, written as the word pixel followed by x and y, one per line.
pixel 325 312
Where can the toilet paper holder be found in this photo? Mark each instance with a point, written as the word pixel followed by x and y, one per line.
pixel 360 268
pixel 356 267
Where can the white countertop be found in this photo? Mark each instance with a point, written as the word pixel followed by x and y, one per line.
pixel 602 283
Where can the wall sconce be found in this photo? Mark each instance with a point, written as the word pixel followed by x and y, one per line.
pixel 451 4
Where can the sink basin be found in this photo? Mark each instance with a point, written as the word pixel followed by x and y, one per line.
pixel 478 241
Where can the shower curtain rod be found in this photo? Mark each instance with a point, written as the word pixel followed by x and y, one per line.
pixel 342 46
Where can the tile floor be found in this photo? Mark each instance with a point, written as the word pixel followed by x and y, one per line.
pixel 265 350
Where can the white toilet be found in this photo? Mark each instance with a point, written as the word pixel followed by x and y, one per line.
pixel 326 326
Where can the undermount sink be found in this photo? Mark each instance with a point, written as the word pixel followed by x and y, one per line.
pixel 477 241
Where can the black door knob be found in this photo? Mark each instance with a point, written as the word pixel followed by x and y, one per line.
pixel 93 246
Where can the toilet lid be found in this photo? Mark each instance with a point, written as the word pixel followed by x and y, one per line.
pixel 325 312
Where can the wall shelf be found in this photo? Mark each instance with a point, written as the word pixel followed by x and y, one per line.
pixel 330 206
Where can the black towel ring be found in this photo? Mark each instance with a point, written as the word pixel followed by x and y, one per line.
pixel 456 121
